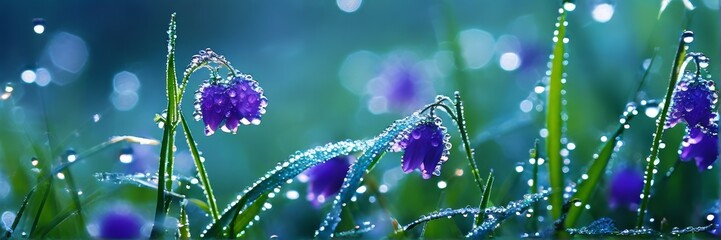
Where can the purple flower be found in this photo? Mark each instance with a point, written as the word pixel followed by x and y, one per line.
pixel 625 189
pixel 120 223
pixel 425 148
pixel 326 179
pixel 400 85
pixel 701 145
pixel 226 104
pixel 693 102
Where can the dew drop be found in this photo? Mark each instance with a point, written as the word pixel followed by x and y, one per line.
pixel 39 25
pixel 71 155
pixel 687 36
pixel 442 184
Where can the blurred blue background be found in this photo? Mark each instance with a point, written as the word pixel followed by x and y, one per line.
pixel 330 70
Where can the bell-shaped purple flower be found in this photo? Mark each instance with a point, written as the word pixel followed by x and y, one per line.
pixel 625 189
pixel 120 223
pixel 326 179
pixel 227 104
pixel 426 148
pixel 701 145
pixel 693 102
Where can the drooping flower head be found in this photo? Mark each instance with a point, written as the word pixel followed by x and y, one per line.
pixel 228 103
pixel 120 222
pixel 701 145
pixel 426 148
pixel 625 189
pixel 693 102
pixel 326 179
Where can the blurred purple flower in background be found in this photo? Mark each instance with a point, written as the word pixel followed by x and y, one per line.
pixel 138 158
pixel 700 145
pixel 120 222
pixel 625 189
pixel 402 85
pixel 227 104
pixel 426 148
pixel 326 179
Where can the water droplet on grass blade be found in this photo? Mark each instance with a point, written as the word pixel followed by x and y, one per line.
pixel 71 155
pixel 687 36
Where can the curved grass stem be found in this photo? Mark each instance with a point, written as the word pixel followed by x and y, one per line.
pixel 202 174
pixel 652 163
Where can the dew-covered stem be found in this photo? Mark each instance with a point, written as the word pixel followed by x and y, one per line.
pixel 165 169
pixel 73 189
pixel 652 160
pixel 590 179
pixel 485 198
pixel 535 155
pixel 202 174
pixel 19 214
pixel 183 225
pixel 460 120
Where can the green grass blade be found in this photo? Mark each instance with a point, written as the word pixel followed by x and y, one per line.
pixel 359 168
pixel 69 180
pixel 485 198
pixel 660 122
pixel 500 214
pixel 461 122
pixel 440 215
pixel 165 168
pixel 140 181
pixel 202 174
pixel 184 227
pixel 593 175
pixel 242 221
pixel 65 214
pixel 19 214
pixel 554 110
pixel 535 155
pixel 296 164
pixel 201 204
pixel 39 212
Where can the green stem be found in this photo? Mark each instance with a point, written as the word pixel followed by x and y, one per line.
pixel 649 175
pixel 466 143
pixel 534 187
pixel 160 203
pixel 485 199
pixel 202 174
pixel 40 209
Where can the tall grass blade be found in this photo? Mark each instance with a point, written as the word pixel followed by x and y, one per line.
pixel 165 168
pixel 590 180
pixel 554 110
pixel 202 174
pixel 242 221
pixel 184 225
pixel 685 39
pixel 485 198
